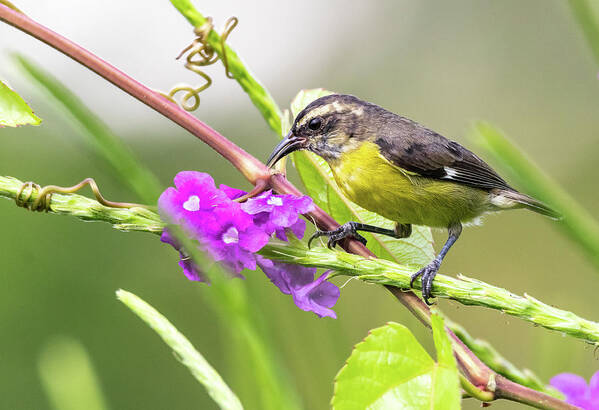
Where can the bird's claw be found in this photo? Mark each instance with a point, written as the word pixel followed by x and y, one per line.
pixel 344 231
pixel 428 275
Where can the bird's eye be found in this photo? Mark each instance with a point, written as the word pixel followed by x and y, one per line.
pixel 315 123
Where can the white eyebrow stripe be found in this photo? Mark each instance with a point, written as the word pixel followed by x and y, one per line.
pixel 334 106
pixel 315 113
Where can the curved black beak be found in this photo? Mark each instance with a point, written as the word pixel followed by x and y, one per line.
pixel 289 144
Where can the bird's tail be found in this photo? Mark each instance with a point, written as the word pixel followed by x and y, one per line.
pixel 519 200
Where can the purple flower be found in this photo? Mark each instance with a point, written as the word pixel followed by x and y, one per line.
pixel 232 237
pixel 577 391
pixel 190 269
pixel 311 295
pixel 275 213
pixel 207 214
pixel 232 233
pixel 194 198
pixel 232 193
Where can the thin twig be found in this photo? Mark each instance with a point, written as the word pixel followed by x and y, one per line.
pixel 249 166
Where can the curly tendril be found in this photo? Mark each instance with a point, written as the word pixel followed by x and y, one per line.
pixel 202 54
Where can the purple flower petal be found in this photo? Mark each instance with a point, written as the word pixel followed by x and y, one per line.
pixel 166 237
pixel 194 197
pixel 253 239
pixel 318 297
pixel 297 228
pixel 232 193
pixel 282 210
pixel 311 295
pixel 237 259
pixel 209 215
pixel 190 269
pixel 275 274
pixel 594 387
pixel 572 385
pixel 284 217
pixel 258 204
pixel 304 204
pixel 195 179
pixel 232 233
pixel 298 276
pixel 574 388
pixel 167 205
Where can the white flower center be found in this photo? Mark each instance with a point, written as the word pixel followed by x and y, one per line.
pixel 231 235
pixel 192 204
pixel 274 200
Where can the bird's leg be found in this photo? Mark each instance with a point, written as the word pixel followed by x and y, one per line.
pixel 402 230
pixel 42 202
pixel 350 230
pixel 428 272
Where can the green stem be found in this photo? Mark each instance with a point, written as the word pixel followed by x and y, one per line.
pixel 464 290
pixel 256 91
pixel 124 219
pixel 475 392
pixel 184 350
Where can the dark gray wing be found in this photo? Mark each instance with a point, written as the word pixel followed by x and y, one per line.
pixel 417 149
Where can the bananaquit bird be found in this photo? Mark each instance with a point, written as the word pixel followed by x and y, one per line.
pixel 401 170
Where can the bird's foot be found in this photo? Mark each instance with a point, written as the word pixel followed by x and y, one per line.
pixel 347 230
pixel 428 275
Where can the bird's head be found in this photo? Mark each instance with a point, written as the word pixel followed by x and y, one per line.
pixel 328 126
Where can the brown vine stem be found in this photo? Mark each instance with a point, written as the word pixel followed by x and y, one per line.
pixel 249 166
pixel 475 370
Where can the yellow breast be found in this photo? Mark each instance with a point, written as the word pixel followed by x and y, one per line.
pixel 372 182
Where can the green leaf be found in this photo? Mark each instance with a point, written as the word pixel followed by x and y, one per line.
pixel 184 350
pixel 417 250
pixel 390 369
pixel 443 347
pixel 446 383
pixel 102 140
pixel 14 111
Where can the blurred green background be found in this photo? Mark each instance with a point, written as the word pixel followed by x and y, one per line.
pixel 523 66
